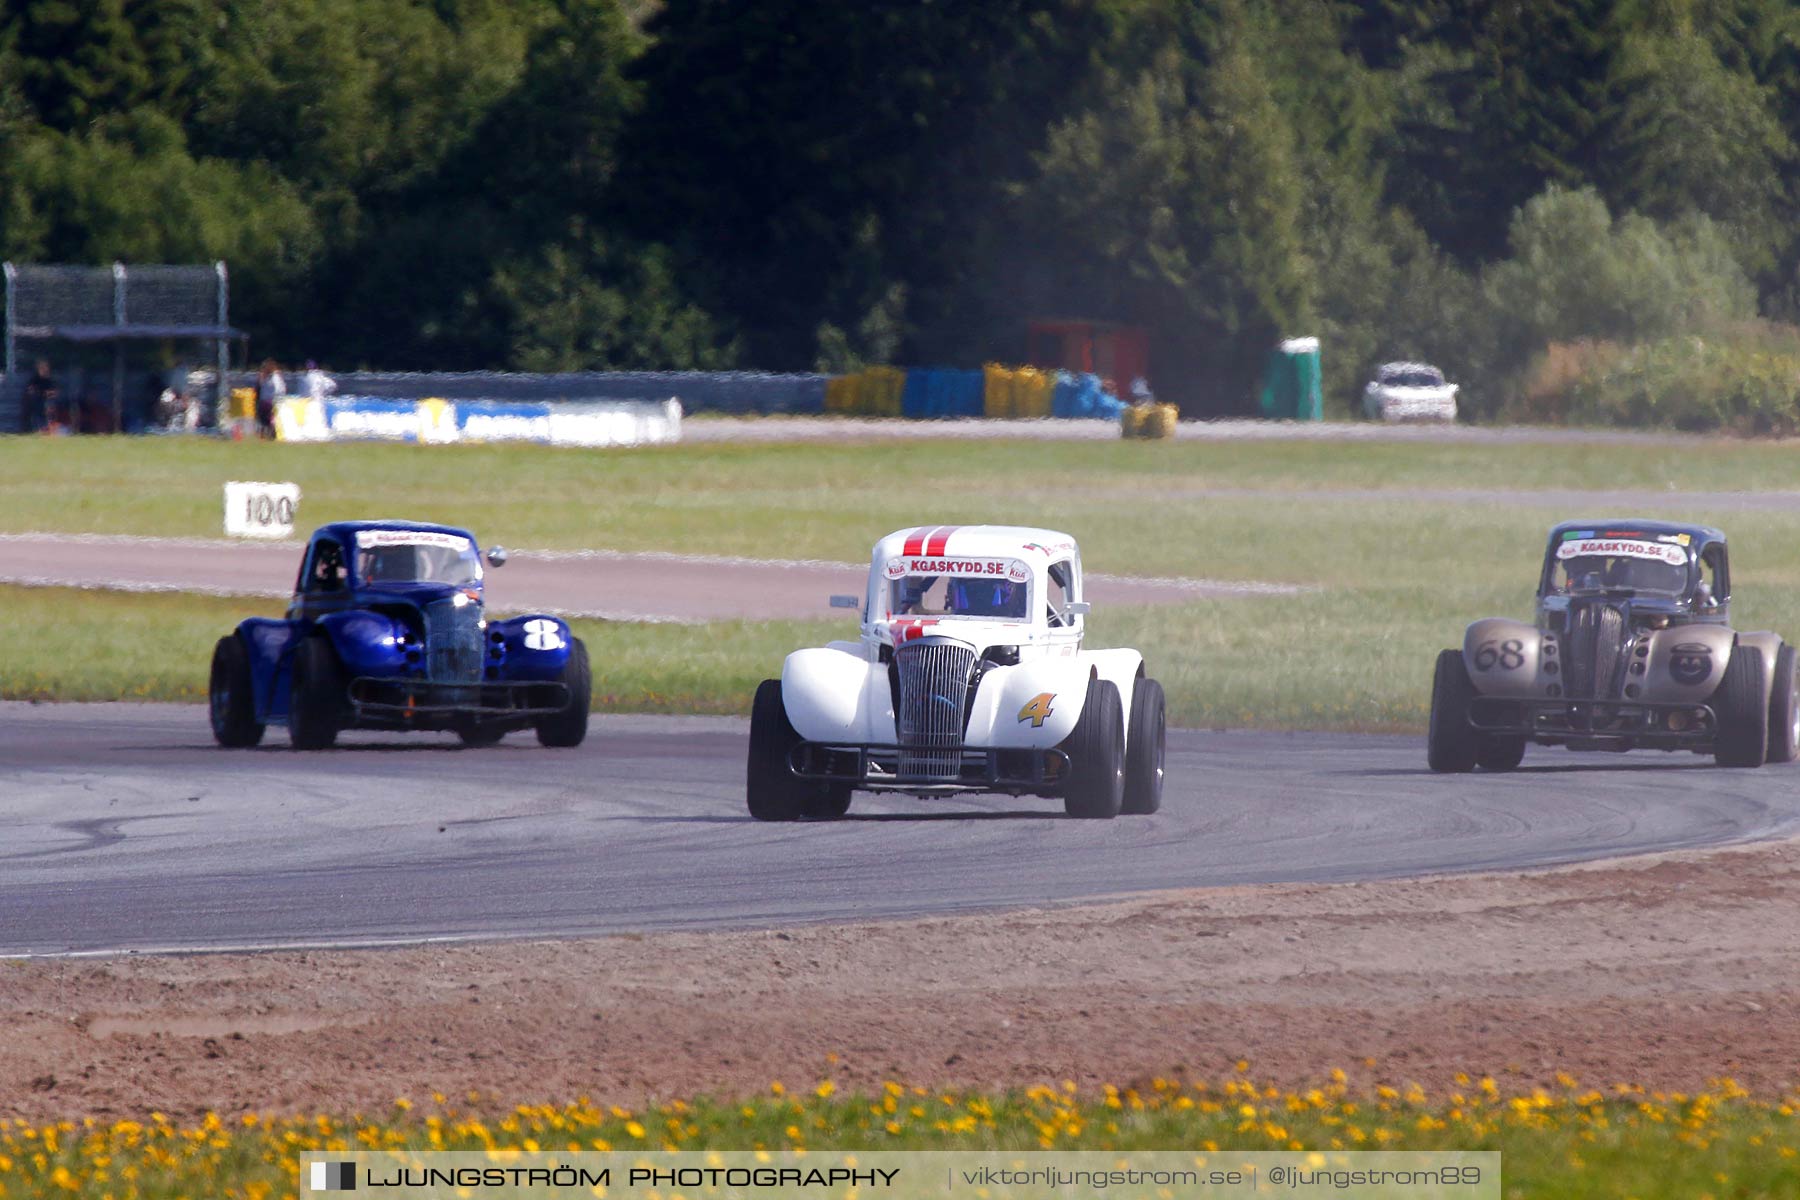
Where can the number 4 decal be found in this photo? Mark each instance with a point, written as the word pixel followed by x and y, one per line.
pixel 1037 709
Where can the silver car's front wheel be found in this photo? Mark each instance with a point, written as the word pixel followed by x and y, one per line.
pixel 1784 708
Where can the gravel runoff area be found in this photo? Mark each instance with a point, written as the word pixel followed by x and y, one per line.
pixel 1663 971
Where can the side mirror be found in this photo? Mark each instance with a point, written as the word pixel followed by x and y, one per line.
pixel 845 602
pixel 1078 608
pixel 496 556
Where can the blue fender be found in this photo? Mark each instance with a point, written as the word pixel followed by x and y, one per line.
pixel 270 644
pixel 534 646
pixel 367 643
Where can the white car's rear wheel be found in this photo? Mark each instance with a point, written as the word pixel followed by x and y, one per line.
pixel 1144 750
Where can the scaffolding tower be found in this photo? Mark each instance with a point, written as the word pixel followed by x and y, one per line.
pixel 113 305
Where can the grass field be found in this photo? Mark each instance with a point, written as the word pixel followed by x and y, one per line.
pixel 1576 1143
pixel 1394 577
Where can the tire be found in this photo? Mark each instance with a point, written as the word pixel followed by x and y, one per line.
pixel 1144 750
pixel 1784 709
pixel 230 696
pixel 569 726
pixel 1451 747
pixel 770 789
pixel 1500 753
pixel 1743 734
pixel 1096 787
pixel 316 697
pixel 475 736
pixel 829 803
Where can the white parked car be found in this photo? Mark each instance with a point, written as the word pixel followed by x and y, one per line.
pixel 969 676
pixel 1409 391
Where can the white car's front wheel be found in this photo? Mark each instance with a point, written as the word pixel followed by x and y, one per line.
pixel 1096 786
pixel 770 788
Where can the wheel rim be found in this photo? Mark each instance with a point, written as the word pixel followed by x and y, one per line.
pixel 221 700
pixel 1793 714
pixel 1161 749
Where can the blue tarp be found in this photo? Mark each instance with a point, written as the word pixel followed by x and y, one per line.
pixel 1082 396
pixel 939 392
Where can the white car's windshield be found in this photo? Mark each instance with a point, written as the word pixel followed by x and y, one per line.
pixel 393 556
pixel 958 596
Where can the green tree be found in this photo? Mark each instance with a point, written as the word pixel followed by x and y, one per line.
pixel 586 304
pixel 774 135
pixel 1575 272
pixel 1695 137
pixel 1499 100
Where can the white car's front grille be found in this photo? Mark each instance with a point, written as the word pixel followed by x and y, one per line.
pixel 934 689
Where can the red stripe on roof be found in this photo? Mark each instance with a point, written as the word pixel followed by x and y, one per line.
pixel 935 545
pixel 915 541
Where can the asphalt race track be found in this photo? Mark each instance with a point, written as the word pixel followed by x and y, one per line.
pixel 127 829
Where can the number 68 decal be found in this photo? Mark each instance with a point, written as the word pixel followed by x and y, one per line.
pixel 1037 708
pixel 1508 655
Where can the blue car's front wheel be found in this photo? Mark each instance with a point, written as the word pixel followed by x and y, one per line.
pixel 229 698
pixel 569 726
pixel 317 702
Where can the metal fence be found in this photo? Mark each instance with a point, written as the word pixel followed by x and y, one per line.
pixel 59 311
pixel 698 391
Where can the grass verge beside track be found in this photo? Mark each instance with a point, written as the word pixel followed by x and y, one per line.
pixel 1395 579
pixel 1354 657
pixel 1576 1144
pixel 1133 505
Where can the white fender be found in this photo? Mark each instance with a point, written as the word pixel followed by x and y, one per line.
pixel 835 694
pixel 999 718
pixel 1121 668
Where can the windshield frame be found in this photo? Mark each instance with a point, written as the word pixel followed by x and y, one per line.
pixel 995 569
pixel 1607 551
pixel 467 554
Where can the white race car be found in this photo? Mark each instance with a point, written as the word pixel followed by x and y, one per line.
pixel 969 676
pixel 1409 391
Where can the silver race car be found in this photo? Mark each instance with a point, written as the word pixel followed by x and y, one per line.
pixel 1632 647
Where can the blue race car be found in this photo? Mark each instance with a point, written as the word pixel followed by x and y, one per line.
pixel 387 631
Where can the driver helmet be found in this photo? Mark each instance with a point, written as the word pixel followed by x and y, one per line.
pixel 390 563
pixel 981 597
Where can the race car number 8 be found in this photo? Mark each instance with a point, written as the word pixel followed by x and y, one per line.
pixel 1509 655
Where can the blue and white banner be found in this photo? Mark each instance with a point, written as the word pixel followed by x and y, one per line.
pixel 436 421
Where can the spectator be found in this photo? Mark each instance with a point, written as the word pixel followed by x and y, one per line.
pixel 317 383
pixel 95 415
pixel 271 389
pixel 39 400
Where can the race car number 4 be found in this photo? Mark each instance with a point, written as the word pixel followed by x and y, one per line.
pixel 1037 708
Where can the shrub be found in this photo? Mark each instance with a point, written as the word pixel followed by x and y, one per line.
pixel 1744 381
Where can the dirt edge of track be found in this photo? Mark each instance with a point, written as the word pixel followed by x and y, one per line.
pixel 1665 971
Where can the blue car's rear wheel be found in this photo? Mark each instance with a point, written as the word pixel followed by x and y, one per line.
pixel 317 702
pixel 228 693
